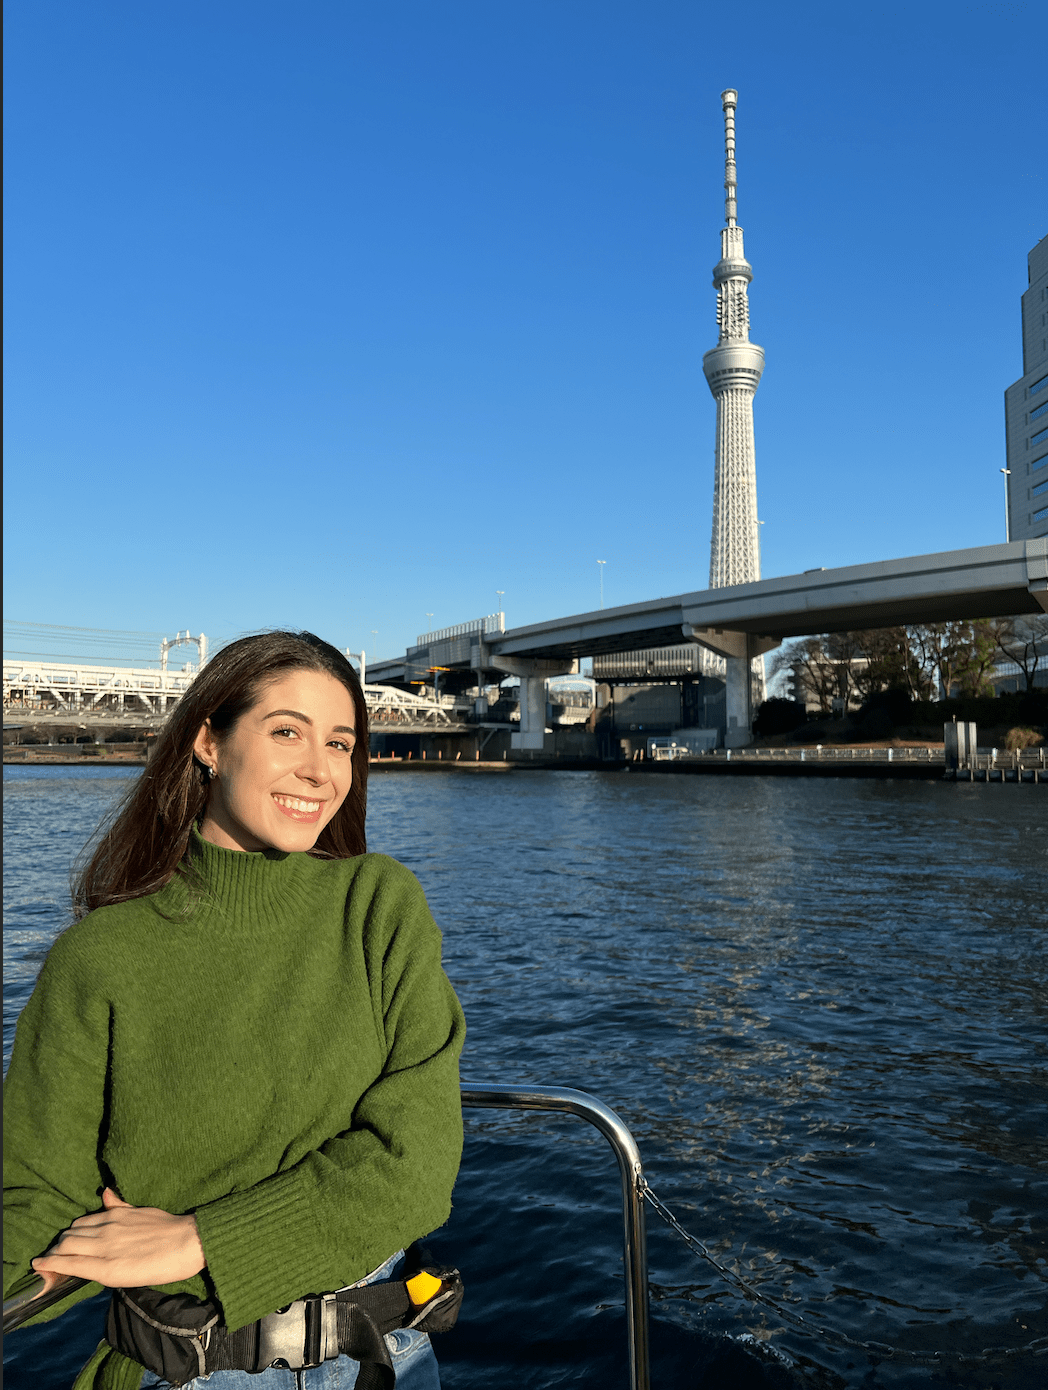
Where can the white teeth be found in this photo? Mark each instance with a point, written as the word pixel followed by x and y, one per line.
pixel 295 803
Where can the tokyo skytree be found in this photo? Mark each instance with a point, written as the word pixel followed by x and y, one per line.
pixel 733 370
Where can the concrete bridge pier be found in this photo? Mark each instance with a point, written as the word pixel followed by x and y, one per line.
pixel 534 672
pixel 740 650
pixel 479 660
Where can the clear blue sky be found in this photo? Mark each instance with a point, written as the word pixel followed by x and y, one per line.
pixel 333 315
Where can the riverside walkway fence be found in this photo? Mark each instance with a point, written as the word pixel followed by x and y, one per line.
pixel 992 765
pixel 1003 765
pixel 820 753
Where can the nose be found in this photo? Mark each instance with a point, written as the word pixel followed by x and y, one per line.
pixel 313 767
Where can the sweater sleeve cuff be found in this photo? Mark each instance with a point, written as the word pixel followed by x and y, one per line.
pixel 254 1247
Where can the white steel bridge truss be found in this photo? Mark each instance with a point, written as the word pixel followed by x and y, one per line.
pixel 77 689
pixel 59 688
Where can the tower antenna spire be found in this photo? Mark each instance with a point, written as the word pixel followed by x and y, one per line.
pixel 729 101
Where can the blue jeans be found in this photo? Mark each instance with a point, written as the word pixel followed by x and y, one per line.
pixel 410 1352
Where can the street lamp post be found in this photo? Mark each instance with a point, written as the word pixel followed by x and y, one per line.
pixel 601 563
pixel 1007 519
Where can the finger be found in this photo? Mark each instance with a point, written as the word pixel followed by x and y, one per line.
pixel 93 1218
pixel 124 1215
pixel 101 1227
pixel 97 1245
pixel 97 1270
pixel 55 1264
pixel 112 1199
pixel 48 1275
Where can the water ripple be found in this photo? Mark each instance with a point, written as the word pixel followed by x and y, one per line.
pixel 821 1006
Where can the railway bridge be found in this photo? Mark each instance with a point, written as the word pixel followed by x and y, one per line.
pixel 53 693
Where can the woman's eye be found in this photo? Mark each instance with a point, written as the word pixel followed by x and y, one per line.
pixel 338 743
pixel 286 733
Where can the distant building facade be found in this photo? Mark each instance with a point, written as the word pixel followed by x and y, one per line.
pixel 1026 411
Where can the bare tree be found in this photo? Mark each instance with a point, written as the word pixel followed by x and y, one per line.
pixel 867 668
pixel 844 650
pixel 879 659
pixel 892 663
pixel 962 653
pixel 814 674
pixel 978 658
pixel 1023 640
pixel 920 677
pixel 938 652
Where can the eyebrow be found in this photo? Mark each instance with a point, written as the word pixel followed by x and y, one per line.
pixel 297 714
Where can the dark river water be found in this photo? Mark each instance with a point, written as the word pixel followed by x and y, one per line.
pixel 821 1007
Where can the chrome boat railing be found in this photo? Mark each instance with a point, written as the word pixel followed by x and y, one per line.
pixel 44 1293
pixel 40 1295
pixel 634 1242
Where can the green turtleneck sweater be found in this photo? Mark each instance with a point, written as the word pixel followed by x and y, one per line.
pixel 275 1051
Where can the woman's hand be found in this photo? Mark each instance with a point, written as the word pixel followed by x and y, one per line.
pixel 126 1247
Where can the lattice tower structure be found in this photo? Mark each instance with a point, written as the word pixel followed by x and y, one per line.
pixel 733 371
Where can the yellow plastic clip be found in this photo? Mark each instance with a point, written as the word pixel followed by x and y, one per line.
pixel 422 1287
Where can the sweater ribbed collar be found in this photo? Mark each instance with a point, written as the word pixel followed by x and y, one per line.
pixel 255 880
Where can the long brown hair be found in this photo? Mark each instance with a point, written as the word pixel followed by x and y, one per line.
pixel 147 841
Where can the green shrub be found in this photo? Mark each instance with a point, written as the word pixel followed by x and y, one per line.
pixel 779 717
pixel 1027 708
pixel 882 711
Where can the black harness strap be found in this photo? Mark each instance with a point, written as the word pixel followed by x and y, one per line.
pixel 232 1351
pixel 359 1337
pixel 181 1337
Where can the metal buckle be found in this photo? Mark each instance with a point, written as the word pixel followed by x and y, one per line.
pixel 303 1334
pixel 282 1337
pixel 329 1329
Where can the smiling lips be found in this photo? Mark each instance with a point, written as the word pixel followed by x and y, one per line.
pixel 298 808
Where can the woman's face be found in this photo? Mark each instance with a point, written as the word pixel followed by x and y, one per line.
pixel 284 768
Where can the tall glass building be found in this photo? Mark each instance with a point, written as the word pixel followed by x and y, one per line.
pixel 1026 411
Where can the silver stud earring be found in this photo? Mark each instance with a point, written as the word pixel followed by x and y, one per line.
pixel 211 772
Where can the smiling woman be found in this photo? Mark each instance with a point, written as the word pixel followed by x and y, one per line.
pixel 236 1082
pixel 280 775
pixel 218 736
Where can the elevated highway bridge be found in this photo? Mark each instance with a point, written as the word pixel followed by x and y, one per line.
pixel 740 622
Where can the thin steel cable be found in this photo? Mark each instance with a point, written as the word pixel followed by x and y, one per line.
pixel 66 627
pixel 96 646
pixel 803 1324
